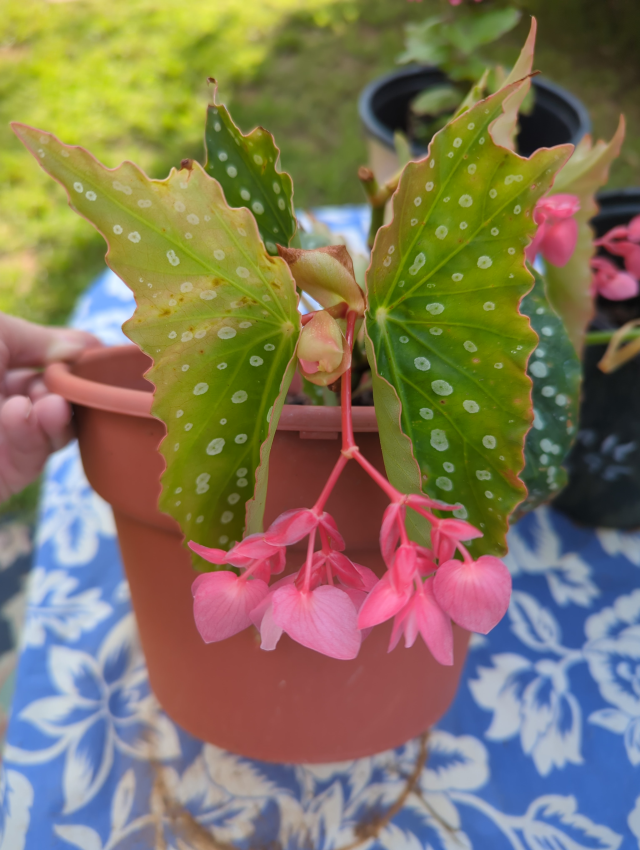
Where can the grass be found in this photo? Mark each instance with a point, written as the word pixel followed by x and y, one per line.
pixel 127 80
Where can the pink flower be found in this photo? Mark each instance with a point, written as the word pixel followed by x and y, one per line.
pixel 447 533
pixel 390 531
pixel 350 574
pixel 222 603
pixel 382 603
pixel 262 615
pixel 292 526
pixel 612 283
pixel 323 619
pixel 422 615
pixel 475 594
pixel 557 229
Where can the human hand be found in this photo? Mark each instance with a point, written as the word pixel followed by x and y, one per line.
pixel 33 421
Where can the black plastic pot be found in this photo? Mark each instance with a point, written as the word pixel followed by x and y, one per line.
pixel 604 464
pixel 557 117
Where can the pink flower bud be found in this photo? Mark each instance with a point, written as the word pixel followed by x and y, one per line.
pixel 322 349
pixel 557 234
pixel 326 274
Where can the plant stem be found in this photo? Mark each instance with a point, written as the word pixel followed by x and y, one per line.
pixel 348 440
pixel 603 337
pixel 393 494
pixel 309 562
pixel 331 483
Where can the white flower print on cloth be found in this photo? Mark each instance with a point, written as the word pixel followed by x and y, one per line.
pixel 616 542
pixel 16 794
pixel 72 517
pixel 567 574
pixel 53 607
pixel 230 799
pixel 532 699
pixel 103 704
pixel 613 655
pixel 634 820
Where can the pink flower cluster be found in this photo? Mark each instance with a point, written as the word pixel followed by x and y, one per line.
pixel 610 281
pixel 557 232
pixel 331 603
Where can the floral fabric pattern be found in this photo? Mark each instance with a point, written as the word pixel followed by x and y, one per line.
pixel 539 751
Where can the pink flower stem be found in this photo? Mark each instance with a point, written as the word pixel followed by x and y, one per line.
pixel 401 525
pixel 348 440
pixel 309 563
pixel 331 483
pixel 393 494
pixel 465 553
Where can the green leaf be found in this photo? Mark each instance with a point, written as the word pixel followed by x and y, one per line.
pixel 216 313
pixel 472 28
pixel 445 283
pixel 435 100
pixel 555 371
pixel 505 129
pixel 247 169
pixel 569 287
pixel 424 43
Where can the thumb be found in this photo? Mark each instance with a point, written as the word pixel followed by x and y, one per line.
pixel 24 344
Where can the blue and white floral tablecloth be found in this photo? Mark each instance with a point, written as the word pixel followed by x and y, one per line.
pixel 540 751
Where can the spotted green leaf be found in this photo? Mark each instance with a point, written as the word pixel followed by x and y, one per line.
pixel 216 313
pixel 445 283
pixel 555 371
pixel 247 169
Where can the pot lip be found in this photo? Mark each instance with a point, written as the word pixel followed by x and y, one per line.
pixel 383 134
pixel 60 379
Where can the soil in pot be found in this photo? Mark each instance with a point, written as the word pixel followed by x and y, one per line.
pixel 557 116
pixel 604 464
pixel 290 705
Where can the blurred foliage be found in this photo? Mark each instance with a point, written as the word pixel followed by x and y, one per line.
pixel 127 79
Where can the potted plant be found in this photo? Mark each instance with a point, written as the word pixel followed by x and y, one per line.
pixel 604 463
pixel 444 58
pixel 283 655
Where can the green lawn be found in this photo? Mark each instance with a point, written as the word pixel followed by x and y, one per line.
pixel 127 79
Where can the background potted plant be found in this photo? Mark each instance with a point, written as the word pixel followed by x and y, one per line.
pixel 449 327
pixel 444 55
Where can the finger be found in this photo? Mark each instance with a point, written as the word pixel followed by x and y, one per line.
pixel 24 445
pixel 53 414
pixel 23 343
pixel 17 381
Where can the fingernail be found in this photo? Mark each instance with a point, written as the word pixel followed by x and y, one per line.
pixel 65 347
pixel 28 410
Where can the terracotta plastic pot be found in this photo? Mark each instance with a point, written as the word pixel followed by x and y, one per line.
pixel 557 116
pixel 293 704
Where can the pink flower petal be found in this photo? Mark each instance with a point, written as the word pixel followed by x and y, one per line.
pixel 222 603
pixel 433 624
pixel 620 287
pixel 214 556
pixel 390 532
pixel 405 566
pixel 291 527
pixel 383 602
pixel 476 594
pixel 329 524
pixel 353 575
pixel 634 229
pixel 324 620
pixel 559 241
pixel 254 546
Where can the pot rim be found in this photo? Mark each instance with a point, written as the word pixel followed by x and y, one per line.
pixel 60 379
pixel 376 128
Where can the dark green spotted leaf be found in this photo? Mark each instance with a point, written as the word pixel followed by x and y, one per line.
pixel 445 284
pixel 216 313
pixel 555 371
pixel 246 166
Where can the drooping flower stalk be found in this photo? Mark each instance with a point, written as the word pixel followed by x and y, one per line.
pixel 330 602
